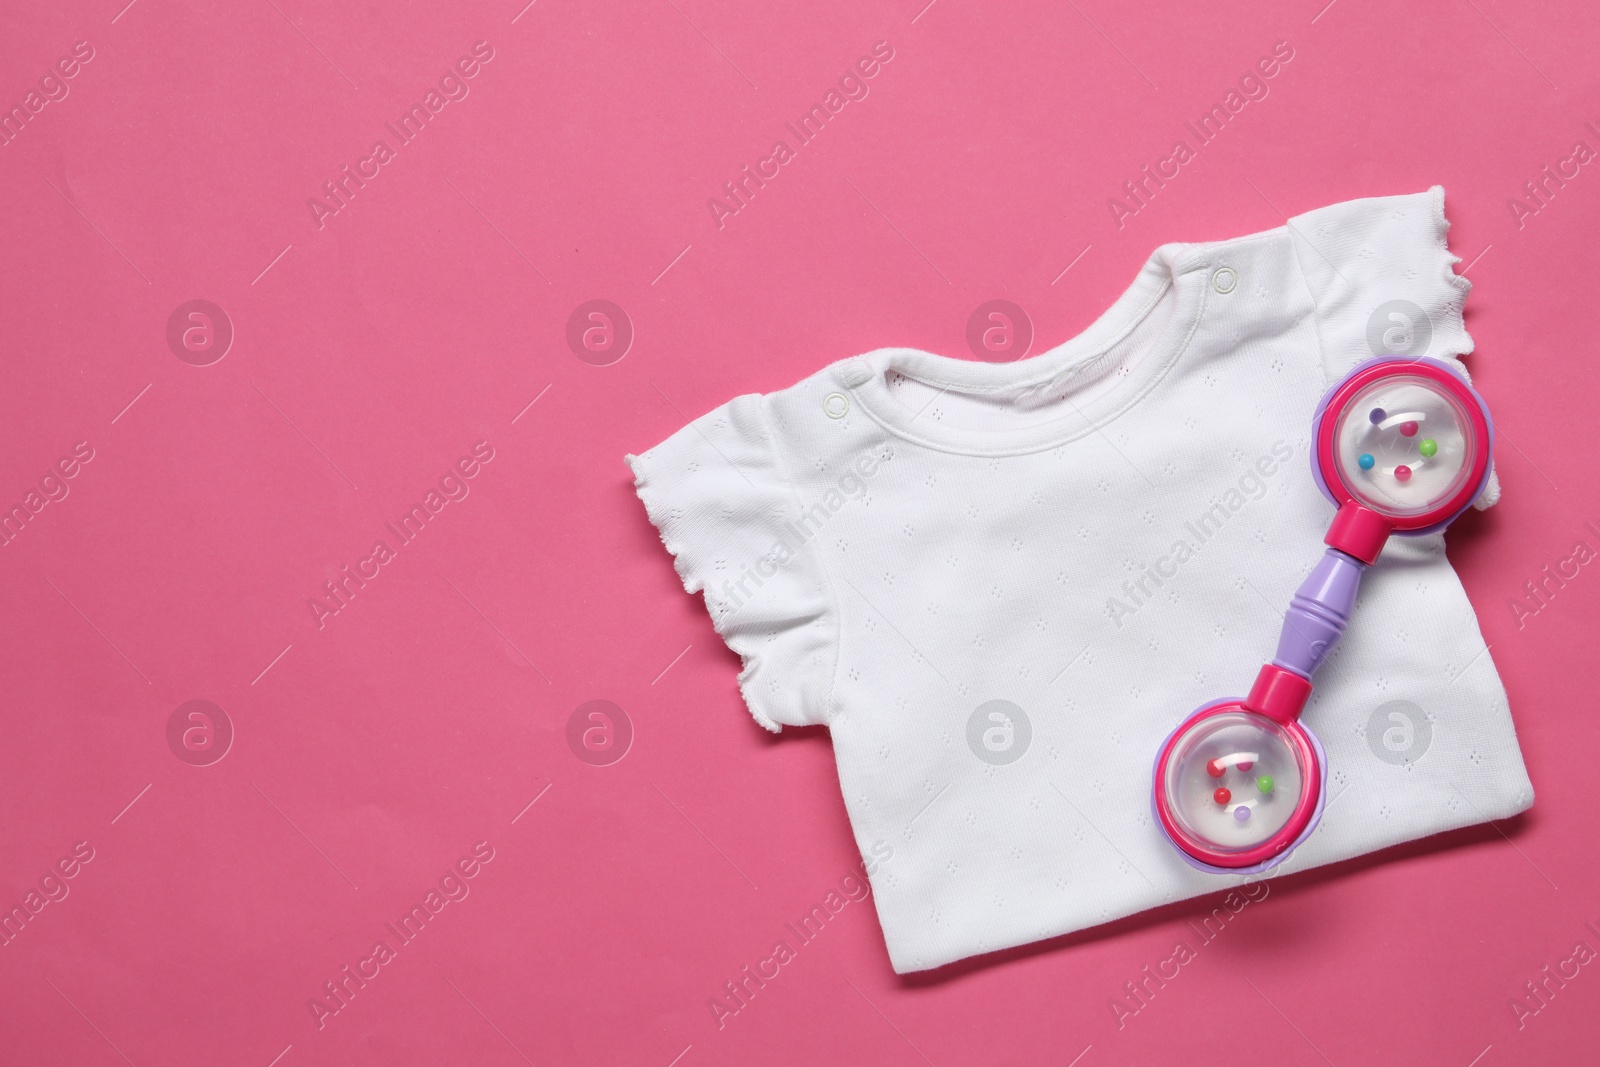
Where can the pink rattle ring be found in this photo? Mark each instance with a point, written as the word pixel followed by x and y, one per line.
pixel 1272 799
pixel 1401 446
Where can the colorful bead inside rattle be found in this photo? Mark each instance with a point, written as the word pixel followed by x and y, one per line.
pixel 1403 445
pixel 1233 780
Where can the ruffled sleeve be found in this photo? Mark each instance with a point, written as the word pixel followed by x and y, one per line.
pixel 1383 278
pixel 717 492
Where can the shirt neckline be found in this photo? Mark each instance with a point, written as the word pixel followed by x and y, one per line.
pixel 1175 271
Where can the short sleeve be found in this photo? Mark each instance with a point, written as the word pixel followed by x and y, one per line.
pixel 1383 280
pixel 718 493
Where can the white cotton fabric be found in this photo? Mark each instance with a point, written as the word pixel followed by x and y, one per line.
pixel 902 538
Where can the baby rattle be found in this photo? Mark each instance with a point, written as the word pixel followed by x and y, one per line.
pixel 1402 445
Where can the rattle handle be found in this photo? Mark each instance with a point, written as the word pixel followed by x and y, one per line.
pixel 1319 613
pixel 1311 627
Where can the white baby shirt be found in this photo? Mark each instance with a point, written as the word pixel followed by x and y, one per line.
pixel 1001 585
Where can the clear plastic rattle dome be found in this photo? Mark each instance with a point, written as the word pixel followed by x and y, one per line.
pixel 1233 781
pixel 1404 446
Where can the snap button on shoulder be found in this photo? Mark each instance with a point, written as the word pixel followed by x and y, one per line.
pixel 1224 280
pixel 836 405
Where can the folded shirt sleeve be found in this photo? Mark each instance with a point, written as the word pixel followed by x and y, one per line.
pixel 717 492
pixel 1383 279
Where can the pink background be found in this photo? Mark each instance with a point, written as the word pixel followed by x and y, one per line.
pixel 372 753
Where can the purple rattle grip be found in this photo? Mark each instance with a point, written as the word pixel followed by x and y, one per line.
pixel 1318 613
